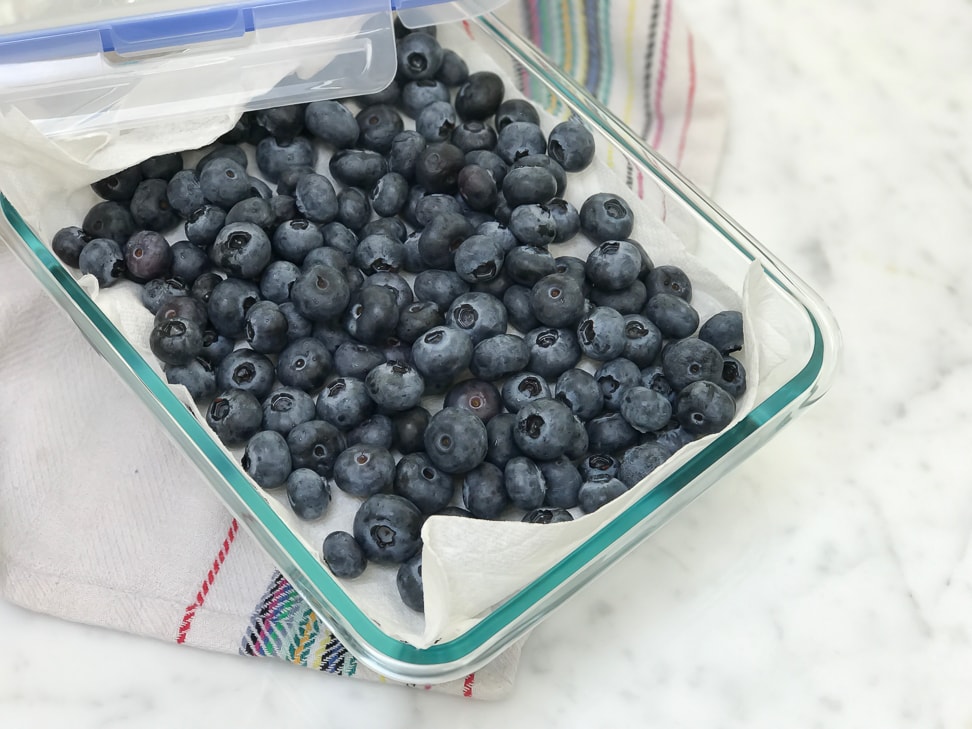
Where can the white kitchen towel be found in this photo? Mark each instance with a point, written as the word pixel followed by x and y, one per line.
pixel 102 520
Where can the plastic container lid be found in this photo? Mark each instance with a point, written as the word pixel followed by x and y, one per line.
pixel 78 66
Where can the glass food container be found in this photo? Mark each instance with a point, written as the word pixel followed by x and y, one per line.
pixel 125 54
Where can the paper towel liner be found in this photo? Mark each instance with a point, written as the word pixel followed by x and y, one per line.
pixel 469 566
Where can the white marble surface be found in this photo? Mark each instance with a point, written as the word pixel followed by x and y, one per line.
pixel 827 582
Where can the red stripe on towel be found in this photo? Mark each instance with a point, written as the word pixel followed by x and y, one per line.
pixel 207 583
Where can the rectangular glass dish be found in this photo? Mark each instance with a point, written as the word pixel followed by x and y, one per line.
pixel 795 381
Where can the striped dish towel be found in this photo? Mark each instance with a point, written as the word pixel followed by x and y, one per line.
pixel 134 544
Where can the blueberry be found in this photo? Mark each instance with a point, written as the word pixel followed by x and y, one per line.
pixel 410 584
pixel 431 206
pixel 639 461
pixel 283 122
pixel 557 300
pixel 437 167
pixel 363 470
pixel 437 121
pixel 453 71
pixel 160 291
pixel 316 445
pixel 378 125
pixel 308 494
pixel 316 198
pixel 298 326
pixel 524 483
pixel 203 287
pixel 378 430
pixel 189 261
pixel 345 402
pixel 520 139
pixel 563 483
pixel 601 334
pixel 111 220
pixel 499 439
pixel 669 280
pixel 286 408
pixel 332 122
pixel 358 167
pixel 277 280
pixel 176 341
pixel 389 195
pixel 484 492
pixel 68 243
pixel 395 386
pixel 673 315
pixel 579 391
pixel 266 328
pixel 150 206
pixel 331 334
pixel 673 439
pixel 267 459
pixel 103 259
pixel 284 208
pixel 228 304
pixel 544 429
pixel 417 95
pixel 533 225
pixel 518 301
pixel 352 359
pixel 409 429
pixel 477 187
pixel 343 555
pixel 388 528
pixel 614 265
pixel 339 237
pixel 162 166
pixel 566 219
pixel 372 314
pixel 224 182
pixel 605 217
pixel 546 163
pixel 552 351
pixel 547 516
pixel 502 212
pixel 203 225
pixel 147 256
pixel 733 378
pixel 572 145
pixel 516 110
pixel 222 151
pixel 419 56
pixel 181 305
pixel 498 357
pixel 379 253
pixel 472 135
pixel 416 319
pixel 120 186
pixel 455 440
pixel 441 239
pixel 244 369
pixel 703 408
pixel 596 493
pixel 215 347
pixel 631 300
pixel 614 377
pixel 573 267
pixel 320 293
pixel 489 161
pixel 288 178
pixel 724 331
pixel 644 409
pixel 404 295
pixel 305 364
pixel 480 96
pixel 690 360
pixel 274 157
pixel 255 210
pixel 481 316
pixel 184 193
pixel 528 264
pixel 197 376
pixel 325 256
pixel 405 150
pixel 610 432
pixel 242 250
pixel 418 480
pixel 478 259
pixel 477 396
pixel 599 464
pixel 528 185
pixel 235 417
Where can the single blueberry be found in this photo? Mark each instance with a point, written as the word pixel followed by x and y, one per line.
pixel 605 216
pixel 724 331
pixel 203 225
pixel 176 341
pixel 498 357
pixel 120 186
pixel 673 315
pixel 524 483
pixel 305 364
pixel 343 555
pixel 484 492
pixel 557 300
pixel 378 430
pixel 410 585
pixel 455 440
pixel 553 351
pixel 197 376
pixel 245 369
pixel 332 122
pixel 267 459
pixel 572 145
pixel 644 409
pixel 395 386
pixel 242 249
pixel 316 445
pixel 639 461
pixel 703 408
pixel 690 360
pixel 378 125
pixel 544 429
pixel 388 528
pixel 601 334
pixel 579 391
pixel 596 493
pixel 409 429
pixel 418 480
pixel 563 483
pixel 345 402
pixel 111 220
pixel 235 416
pixel 364 470
pixel 286 408
pixel 308 493
pixel 150 206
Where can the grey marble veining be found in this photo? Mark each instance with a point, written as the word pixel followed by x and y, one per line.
pixel 828 581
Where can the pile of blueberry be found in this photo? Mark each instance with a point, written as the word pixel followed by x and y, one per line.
pixel 311 320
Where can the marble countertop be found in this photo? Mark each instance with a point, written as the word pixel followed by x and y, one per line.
pixel 827 581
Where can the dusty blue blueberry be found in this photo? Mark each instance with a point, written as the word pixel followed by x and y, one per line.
pixel 203 225
pixel 733 378
pixel 277 280
pixel 160 291
pixel 598 464
pixel 182 304
pixel 690 360
pixel 395 386
pixel 566 219
pixel 563 483
pixel 185 193
pixel 544 429
pixel 267 459
pixel 548 164
pixel 669 280
pixel 150 206
pixel 284 208
pixel 120 186
pixel 703 408
pixel 610 432
pixel 481 316
pixel 331 334
pixel 473 135
pixel 453 70
pixel 614 265
pixel 419 56
pixel 68 243
pixel 147 256
pixel 326 256
pixel 316 198
pixel 524 483
pixel 518 301
pixel 442 237
pixel 298 326
pixel 354 208
pixel 189 261
pixel 673 439
pixel 274 157
pixel 405 150
pixel 639 461
pixel 478 259
pixel 364 470
pixel 255 210
pixel 489 161
pixel 340 237
pixel 224 182
pixel 526 185
pixel 176 341
pixel 286 408
pixel 372 314
pixel 378 125
pixel 519 139
pixel 320 293
pixel 353 359
pixel 480 95
pixel 424 207
pixel 499 440
pixel 228 304
pixel 416 319
pixel 410 584
pixel 605 216
pixel 235 417
pixel 436 121
pixel 479 397
pixel 345 402
pixel 222 151
pixel 358 167
pixel 601 334
pixel 440 287
pixel 245 369
pixel 533 225
pixel 579 391
pixel 378 430
pixel 316 445
pixel 614 378
pixel 289 177
pixel 388 196
pixel 110 220
pixel 673 315
pixel 418 480
pixel 282 122
pixel 644 409
pixel 388 528
pixel 455 440
pixel 724 331
pixel 308 494
pixel 627 301
pixel 557 300
pixel 409 429
pixel 389 227
pixel 242 250
pixel 437 167
pixel 343 555
pixel 516 110
pixel 553 351
pixel 484 492
pixel 266 328
pixel 599 491
pixel 304 364
pixel 161 166
pixel 416 95
pixel 197 376
pixel 379 253
pixel 478 188
pixel 498 357
pixel 215 347
pixel 331 122
pixel 203 287
pixel 522 388
pixel 653 377
pixel 572 145
pixel 528 264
